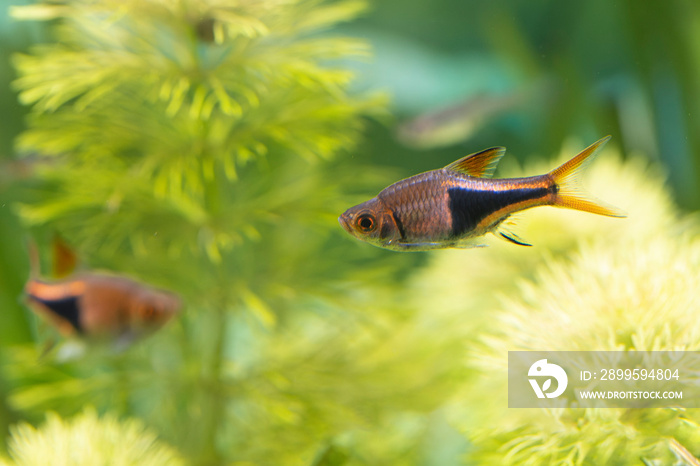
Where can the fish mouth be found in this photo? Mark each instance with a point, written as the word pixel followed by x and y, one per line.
pixel 345 223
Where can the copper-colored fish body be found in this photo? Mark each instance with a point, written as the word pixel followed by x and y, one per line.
pixel 101 306
pixel 454 205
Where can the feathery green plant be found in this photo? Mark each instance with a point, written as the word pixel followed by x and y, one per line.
pixel 192 145
pixel 165 102
pixel 589 283
pixel 637 298
pixel 88 440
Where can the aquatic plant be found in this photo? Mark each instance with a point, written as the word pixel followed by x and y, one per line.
pixel 637 298
pixel 88 440
pixel 589 284
pixel 197 145
pixel 201 160
pixel 156 107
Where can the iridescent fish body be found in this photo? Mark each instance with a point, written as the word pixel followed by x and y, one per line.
pixel 453 206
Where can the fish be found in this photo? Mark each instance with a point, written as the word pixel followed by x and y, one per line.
pixel 101 306
pixel 98 306
pixel 455 206
pixel 450 125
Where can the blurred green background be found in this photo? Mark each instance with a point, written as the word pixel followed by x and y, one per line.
pixel 209 146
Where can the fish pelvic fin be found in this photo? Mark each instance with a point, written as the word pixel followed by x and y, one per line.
pixel 567 180
pixel 480 164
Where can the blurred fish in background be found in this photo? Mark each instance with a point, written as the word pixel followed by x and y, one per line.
pixel 455 123
pixel 458 122
pixel 97 307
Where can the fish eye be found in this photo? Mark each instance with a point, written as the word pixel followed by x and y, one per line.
pixel 365 222
pixel 148 312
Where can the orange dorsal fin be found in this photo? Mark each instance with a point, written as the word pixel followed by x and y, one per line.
pixel 34 259
pixel 480 164
pixel 63 256
pixel 569 191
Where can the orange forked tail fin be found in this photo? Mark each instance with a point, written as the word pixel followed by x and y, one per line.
pixel 569 192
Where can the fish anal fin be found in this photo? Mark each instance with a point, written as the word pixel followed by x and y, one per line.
pixel 512 237
pixel 480 164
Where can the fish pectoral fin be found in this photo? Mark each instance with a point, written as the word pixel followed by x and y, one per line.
pixel 480 164
pixel 512 237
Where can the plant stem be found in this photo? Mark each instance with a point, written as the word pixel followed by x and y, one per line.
pixel 214 410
